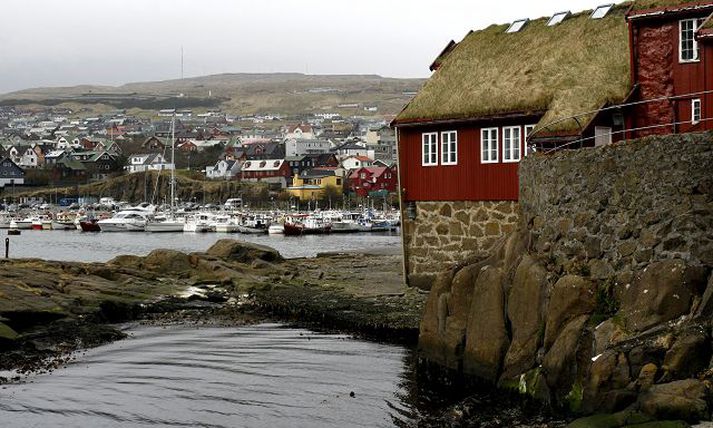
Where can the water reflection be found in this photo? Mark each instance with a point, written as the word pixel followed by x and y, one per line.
pixel 101 247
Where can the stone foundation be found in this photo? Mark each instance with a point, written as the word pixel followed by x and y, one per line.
pixel 446 233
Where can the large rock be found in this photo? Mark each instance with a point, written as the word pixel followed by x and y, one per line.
pixel 560 363
pixel 167 261
pixel 571 297
pixel 662 292
pixel 431 338
pixel 243 252
pixel 7 334
pixel 525 312
pixel 683 399
pixel 486 338
pixel 607 381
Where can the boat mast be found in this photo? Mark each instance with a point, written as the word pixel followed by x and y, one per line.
pixel 173 163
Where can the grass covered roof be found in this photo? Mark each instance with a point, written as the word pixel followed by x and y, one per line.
pixel 573 67
pixel 640 5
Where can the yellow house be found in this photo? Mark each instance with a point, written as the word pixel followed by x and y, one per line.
pixel 311 184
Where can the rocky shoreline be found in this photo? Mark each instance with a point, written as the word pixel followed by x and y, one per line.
pixel 49 309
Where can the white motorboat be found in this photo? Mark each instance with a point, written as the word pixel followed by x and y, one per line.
pixel 125 221
pixel 25 223
pixel 200 222
pixel 225 224
pixel 276 229
pixel 165 224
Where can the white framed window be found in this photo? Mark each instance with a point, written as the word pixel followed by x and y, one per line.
pixel 602 136
pixel 687 44
pixel 429 149
pixel 511 143
pixel 695 111
pixel 528 131
pixel 489 145
pixel 449 148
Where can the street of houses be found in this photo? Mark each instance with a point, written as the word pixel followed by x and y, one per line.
pixel 311 157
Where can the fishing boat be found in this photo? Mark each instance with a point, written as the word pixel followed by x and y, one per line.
pixel 89 225
pixel 309 225
pixel 346 223
pixel 64 221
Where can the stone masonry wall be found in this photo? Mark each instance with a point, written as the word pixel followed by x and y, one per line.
pixel 608 213
pixel 446 233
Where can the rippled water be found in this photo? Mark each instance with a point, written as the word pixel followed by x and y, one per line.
pixel 101 247
pixel 257 376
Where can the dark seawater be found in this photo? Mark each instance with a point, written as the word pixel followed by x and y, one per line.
pixel 101 247
pixel 257 376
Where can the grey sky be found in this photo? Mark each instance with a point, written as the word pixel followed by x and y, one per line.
pixel 70 42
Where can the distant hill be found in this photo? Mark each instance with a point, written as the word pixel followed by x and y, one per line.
pixel 279 93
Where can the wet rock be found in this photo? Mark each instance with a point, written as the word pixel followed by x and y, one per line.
pixel 683 399
pixel 607 333
pixel 525 302
pixel 167 261
pixel 571 297
pixel 647 377
pixel 689 355
pixel 607 382
pixel 706 307
pixel 243 252
pixel 620 419
pixel 486 337
pixel 663 292
pixel 431 340
pixel 7 334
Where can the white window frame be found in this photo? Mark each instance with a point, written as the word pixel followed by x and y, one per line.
pixel 429 150
pixel 527 130
pixel 696 105
pixel 510 143
pixel 696 49
pixel 603 136
pixel 449 148
pixel 488 146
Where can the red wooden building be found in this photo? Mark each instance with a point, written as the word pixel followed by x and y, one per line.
pixel 373 180
pixel 671 66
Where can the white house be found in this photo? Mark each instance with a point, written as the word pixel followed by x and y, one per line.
pixel 148 162
pixel 222 170
pixel 300 131
pixel 354 162
pixel 300 147
pixel 29 158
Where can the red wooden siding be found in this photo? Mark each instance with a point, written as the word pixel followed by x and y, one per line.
pixel 657 70
pixel 469 180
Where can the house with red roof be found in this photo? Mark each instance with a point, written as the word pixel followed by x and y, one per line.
pixel 373 180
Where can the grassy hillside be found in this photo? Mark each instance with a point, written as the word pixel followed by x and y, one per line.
pixel 283 93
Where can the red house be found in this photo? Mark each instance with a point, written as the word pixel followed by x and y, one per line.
pixel 272 171
pixel 369 180
pixel 564 81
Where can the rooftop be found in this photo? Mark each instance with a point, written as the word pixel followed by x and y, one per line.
pixel 576 66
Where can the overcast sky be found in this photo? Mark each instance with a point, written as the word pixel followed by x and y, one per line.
pixel 70 42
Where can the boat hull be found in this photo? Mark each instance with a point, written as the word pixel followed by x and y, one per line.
pixel 61 225
pixel 89 226
pixel 163 227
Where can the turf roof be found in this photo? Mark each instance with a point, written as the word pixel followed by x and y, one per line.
pixel 662 4
pixel 573 67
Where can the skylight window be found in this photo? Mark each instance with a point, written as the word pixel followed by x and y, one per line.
pixel 557 18
pixel 516 26
pixel 601 11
